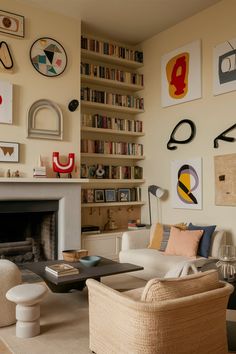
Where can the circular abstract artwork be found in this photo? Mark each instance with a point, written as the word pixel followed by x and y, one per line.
pixel 48 57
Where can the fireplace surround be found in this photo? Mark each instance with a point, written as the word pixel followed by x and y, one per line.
pixel 66 192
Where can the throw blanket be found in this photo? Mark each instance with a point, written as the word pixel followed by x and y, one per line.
pixel 182 269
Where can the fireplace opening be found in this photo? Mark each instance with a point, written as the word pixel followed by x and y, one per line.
pixel 29 230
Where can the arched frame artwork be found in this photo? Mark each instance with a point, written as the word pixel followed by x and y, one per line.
pixel 186 183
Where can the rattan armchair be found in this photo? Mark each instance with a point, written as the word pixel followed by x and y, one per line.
pixel 193 324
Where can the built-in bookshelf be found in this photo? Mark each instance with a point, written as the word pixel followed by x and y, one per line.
pixel 110 130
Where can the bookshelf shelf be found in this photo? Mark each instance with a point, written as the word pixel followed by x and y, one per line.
pixel 115 182
pixel 110 107
pixel 85 53
pixel 111 131
pixel 110 83
pixel 110 156
pixel 113 204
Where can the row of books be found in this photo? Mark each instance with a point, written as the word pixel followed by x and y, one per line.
pixel 61 269
pixel 111 147
pixel 105 72
pixel 115 99
pixel 111 195
pixel 104 122
pixel 111 172
pixel 107 48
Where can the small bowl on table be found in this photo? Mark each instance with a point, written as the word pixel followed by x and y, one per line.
pixel 90 261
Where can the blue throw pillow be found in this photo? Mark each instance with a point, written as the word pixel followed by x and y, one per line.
pixel 205 242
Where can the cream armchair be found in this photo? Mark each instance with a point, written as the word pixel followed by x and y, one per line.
pixel 141 321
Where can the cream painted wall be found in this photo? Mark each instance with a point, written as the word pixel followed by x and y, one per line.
pixel 30 86
pixel 211 114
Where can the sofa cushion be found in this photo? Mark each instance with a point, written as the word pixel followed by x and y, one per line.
pixel 134 294
pixel 183 242
pixel 205 242
pixel 160 233
pixel 172 288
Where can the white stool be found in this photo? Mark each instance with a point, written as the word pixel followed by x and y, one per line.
pixel 27 297
pixel 10 276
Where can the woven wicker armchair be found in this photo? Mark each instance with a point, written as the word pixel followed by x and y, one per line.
pixel 193 324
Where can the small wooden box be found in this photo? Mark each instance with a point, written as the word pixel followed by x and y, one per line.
pixel 73 255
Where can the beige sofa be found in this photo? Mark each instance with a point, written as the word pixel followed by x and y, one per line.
pixel 170 316
pixel 156 264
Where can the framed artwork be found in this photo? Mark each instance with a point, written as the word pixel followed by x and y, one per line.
pixel 9 152
pixel 48 57
pixel 224 67
pixel 5 56
pixel 181 75
pixel 110 195
pixel 5 102
pixel 99 196
pixel 124 195
pixel 186 183
pixel 225 179
pixel 12 24
pixel 89 195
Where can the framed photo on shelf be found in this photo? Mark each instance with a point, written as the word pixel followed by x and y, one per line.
pixel 110 195
pixel 99 196
pixel 124 195
pixel 89 195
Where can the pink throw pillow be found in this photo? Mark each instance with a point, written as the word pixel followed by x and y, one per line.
pixel 183 242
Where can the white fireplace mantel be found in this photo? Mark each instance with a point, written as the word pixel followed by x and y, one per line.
pixel 66 191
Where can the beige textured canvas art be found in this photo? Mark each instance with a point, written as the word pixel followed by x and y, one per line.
pixel 225 179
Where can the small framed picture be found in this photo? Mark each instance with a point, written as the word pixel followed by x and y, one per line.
pixel 110 195
pixel 99 196
pixel 9 152
pixel 89 195
pixel 124 195
pixel 12 24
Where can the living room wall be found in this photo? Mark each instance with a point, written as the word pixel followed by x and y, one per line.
pixel 29 86
pixel 211 115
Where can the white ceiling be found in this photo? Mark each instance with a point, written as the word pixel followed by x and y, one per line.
pixel 129 21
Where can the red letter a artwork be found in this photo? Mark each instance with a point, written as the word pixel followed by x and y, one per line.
pixel 177 70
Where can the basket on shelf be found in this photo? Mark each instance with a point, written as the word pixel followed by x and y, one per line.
pixel 73 255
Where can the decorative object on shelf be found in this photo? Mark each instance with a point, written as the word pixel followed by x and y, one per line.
pixel 73 105
pixel 158 192
pixel 5 56
pixel 73 255
pixel 68 167
pixel 223 137
pixel 186 183
pixel 123 195
pixel 90 261
pixel 99 196
pixel 38 110
pixel 227 262
pixel 111 223
pixel 48 57
pixel 9 152
pixel 5 102
pixel 110 195
pixel 181 74
pixel 12 24
pixel 16 174
pixel 40 170
pixel 224 78
pixel 173 140
pixel 100 171
pixel 225 183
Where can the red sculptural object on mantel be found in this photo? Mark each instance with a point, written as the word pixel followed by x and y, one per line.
pixel 58 167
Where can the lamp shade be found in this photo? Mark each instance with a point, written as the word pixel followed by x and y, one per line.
pixel 156 191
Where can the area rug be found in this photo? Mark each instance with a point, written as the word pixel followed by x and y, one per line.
pixel 64 322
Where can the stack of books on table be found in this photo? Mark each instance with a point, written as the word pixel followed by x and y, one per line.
pixel 134 225
pixel 61 269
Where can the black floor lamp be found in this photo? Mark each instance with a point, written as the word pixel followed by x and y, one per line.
pixel 158 192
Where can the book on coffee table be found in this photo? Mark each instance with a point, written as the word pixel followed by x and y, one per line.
pixel 61 269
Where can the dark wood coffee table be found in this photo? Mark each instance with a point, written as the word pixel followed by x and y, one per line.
pixel 66 283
